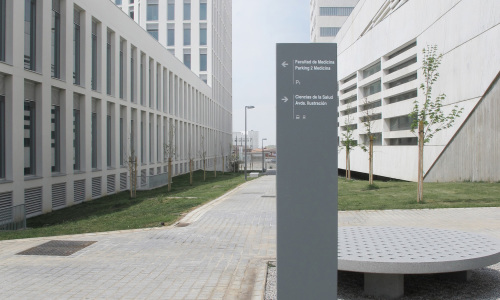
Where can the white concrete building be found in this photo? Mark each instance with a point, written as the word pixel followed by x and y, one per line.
pixel 379 59
pixel 81 87
pixel 197 32
pixel 253 141
pixel 327 17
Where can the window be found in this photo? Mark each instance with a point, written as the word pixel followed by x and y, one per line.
pixel 29 138
pixel 122 132
pixel 372 88
pixel 170 37
pixel 132 75
pixel 2 136
pixel 403 65
pixel 2 30
pixel 151 84
pixel 143 144
pixel 151 142
pixel 403 141
pixel 108 62
pixel 170 11
pixel 403 80
pixel 76 139
pixel 108 140
pixel 371 70
pixel 30 34
pixel 400 123
pixel 203 62
pixel 328 31
pixel 118 2
pixel 56 38
pixel 203 36
pixel 187 60
pixel 153 33
pixel 152 11
pixel 187 36
pixel 122 63
pixel 203 11
pixel 76 47
pixel 404 49
pixel 93 133
pixel 402 97
pixel 94 56
pixel 141 80
pixel 187 11
pixel 335 11
pixel 55 137
pixel 131 13
pixel 132 138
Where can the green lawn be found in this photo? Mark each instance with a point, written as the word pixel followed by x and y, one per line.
pixel 357 195
pixel 118 212
pixel 150 208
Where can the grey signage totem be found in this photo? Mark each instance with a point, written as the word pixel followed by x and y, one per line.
pixel 306 114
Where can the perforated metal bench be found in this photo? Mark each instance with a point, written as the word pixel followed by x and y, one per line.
pixel 385 254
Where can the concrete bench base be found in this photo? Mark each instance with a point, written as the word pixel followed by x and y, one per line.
pixel 254 174
pixel 386 254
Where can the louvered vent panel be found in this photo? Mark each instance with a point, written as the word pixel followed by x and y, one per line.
pixel 96 187
pixel 111 185
pixel 33 201
pixel 143 177
pixel 165 169
pixel 5 207
pixel 151 171
pixel 158 170
pixel 123 181
pixel 79 190
pixel 58 195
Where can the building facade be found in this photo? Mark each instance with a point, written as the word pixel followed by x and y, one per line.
pixel 327 17
pixel 197 32
pixel 82 89
pixel 380 71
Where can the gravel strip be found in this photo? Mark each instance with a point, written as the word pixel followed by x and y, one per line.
pixel 483 285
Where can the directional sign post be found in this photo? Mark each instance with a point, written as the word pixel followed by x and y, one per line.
pixel 306 106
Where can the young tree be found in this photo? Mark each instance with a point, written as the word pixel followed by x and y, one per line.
pixel 215 160
pixel 368 120
pixel 169 152
pixel 428 117
pixel 223 154
pixel 190 165
pixel 132 167
pixel 203 155
pixel 348 142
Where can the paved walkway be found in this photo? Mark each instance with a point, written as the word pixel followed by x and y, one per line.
pixel 221 254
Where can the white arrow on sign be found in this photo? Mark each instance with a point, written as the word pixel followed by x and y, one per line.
pixel 284 64
pixel 285 99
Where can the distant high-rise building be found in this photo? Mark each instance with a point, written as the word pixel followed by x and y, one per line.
pixel 327 17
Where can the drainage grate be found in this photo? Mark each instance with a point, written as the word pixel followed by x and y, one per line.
pixel 57 248
pixel 180 224
pixel 268 196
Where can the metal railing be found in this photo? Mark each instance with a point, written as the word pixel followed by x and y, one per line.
pixel 13 218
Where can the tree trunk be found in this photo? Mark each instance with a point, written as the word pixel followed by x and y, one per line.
pixel 204 169
pixel 190 172
pixel 420 186
pixel 223 166
pixel 215 167
pixel 348 164
pixel 370 157
pixel 169 174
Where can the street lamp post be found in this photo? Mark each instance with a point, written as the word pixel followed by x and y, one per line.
pixel 263 169
pixel 245 151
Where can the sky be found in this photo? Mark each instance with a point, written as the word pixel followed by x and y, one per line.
pixel 257 26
